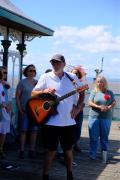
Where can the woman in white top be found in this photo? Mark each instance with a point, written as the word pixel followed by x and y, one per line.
pixel 4 117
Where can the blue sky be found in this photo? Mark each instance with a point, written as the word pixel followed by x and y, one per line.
pixel 85 31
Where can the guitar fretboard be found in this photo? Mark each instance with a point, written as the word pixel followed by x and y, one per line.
pixel 80 89
pixel 66 95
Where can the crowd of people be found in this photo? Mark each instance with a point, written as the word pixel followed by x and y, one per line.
pixel 62 128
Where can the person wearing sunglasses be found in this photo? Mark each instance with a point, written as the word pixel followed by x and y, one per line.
pixel 6 85
pixel 4 71
pixel 23 94
pixel 60 127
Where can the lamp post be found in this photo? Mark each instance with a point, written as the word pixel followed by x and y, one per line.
pixel 6 44
pixel 21 47
pixel 1 55
pixel 13 61
pixel 21 65
pixel 14 55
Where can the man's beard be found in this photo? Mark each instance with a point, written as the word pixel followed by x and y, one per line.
pixel 58 71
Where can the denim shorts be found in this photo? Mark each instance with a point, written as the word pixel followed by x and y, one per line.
pixel 25 125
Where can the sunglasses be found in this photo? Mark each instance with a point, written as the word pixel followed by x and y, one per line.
pixel 32 70
pixel 4 72
pixel 78 75
pixel 55 62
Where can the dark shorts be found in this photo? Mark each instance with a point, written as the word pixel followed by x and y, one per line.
pixel 52 135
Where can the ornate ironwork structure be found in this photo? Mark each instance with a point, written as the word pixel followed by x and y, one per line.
pixel 14 24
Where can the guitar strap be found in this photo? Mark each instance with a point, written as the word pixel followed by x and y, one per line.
pixel 71 79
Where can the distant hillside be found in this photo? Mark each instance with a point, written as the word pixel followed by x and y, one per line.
pixel 90 79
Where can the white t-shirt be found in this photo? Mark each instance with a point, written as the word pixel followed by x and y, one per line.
pixel 62 87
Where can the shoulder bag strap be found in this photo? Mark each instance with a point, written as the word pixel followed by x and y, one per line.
pixel 72 80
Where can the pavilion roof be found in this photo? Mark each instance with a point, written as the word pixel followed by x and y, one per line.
pixel 12 17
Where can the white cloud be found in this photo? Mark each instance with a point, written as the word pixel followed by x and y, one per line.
pixel 81 46
pixel 92 39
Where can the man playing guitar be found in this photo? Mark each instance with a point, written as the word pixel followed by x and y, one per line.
pixel 59 127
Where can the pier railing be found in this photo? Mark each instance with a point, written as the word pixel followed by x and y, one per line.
pixel 116 109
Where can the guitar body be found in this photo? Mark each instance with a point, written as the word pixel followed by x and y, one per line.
pixel 39 108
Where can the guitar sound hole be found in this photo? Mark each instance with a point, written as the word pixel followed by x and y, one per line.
pixel 46 105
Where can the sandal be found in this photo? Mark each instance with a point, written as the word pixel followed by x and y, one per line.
pixel 8 166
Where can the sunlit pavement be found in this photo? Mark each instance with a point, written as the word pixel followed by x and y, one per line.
pixel 86 169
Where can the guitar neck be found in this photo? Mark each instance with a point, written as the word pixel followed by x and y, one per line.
pixel 66 95
pixel 79 90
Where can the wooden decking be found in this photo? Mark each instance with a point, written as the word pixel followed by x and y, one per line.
pixel 86 169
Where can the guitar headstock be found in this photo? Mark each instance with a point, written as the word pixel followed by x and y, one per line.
pixel 82 88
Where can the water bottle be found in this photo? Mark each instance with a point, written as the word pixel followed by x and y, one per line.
pixel 104 157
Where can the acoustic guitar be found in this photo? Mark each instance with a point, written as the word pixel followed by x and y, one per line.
pixel 40 108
